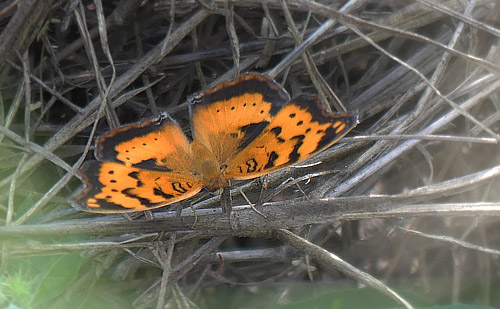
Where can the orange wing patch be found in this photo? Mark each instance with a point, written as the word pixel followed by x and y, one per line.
pixel 234 113
pixel 155 144
pixel 242 129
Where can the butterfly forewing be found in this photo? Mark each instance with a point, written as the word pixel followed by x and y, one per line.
pixel 155 144
pixel 299 130
pixel 236 112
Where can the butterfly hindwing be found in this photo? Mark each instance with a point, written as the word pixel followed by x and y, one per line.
pixel 112 187
pixel 299 130
pixel 234 113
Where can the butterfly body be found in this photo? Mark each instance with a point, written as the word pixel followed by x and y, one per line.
pixel 209 170
pixel 241 129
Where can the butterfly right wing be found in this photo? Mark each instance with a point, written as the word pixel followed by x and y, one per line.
pixel 301 129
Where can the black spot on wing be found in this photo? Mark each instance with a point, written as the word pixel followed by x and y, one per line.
pixel 151 164
pixel 144 201
pixel 251 165
pixel 270 162
pixel 135 175
pixel 159 192
pixel 178 187
pixel 250 132
pixel 277 131
pixel 294 155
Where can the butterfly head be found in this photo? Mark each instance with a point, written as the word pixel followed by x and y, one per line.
pixel 212 175
pixel 208 169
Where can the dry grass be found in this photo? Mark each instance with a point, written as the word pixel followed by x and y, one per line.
pixel 408 199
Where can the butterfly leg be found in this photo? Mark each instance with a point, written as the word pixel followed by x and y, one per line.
pixel 226 204
pixel 226 201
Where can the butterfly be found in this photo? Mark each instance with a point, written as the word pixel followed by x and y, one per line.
pixel 241 129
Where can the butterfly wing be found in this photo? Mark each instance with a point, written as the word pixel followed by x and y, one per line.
pixel 299 130
pixel 112 187
pixel 232 114
pixel 156 144
pixel 140 166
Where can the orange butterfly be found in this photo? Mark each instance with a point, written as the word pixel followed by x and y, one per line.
pixel 242 129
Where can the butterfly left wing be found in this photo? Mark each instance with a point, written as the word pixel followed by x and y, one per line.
pixel 140 166
pixel 115 188
pixel 299 130
pixel 155 144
